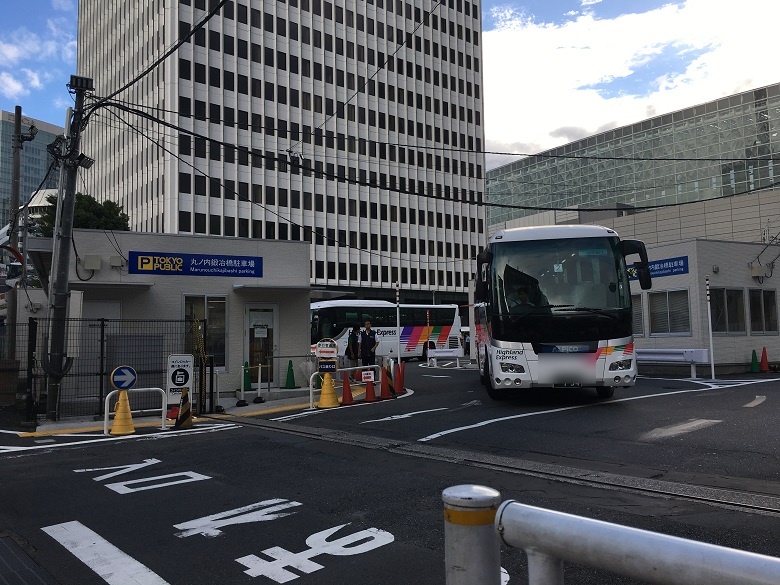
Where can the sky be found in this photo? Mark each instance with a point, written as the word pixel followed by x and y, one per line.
pixel 554 70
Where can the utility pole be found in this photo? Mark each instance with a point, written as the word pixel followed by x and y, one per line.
pixel 12 296
pixel 56 364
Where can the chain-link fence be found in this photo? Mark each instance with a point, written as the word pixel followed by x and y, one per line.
pixel 97 347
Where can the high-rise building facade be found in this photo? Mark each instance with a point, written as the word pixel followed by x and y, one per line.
pixel 34 161
pixel 356 126
pixel 720 149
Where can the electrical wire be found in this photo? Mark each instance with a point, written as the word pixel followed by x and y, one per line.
pixel 159 60
pixel 250 152
pixel 310 229
pixel 253 128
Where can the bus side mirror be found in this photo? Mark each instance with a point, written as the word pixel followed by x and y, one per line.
pixel 643 275
pixel 481 291
pixel 628 247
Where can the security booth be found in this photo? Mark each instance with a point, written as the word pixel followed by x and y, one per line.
pixel 245 301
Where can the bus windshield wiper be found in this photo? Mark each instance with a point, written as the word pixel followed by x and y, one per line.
pixel 594 310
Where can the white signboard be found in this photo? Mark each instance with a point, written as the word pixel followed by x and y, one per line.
pixel 179 377
pixel 327 348
pixel 367 375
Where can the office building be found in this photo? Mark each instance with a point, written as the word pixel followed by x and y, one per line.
pixel 355 126
pixel 35 160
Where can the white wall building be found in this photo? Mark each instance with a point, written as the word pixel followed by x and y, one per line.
pixel 355 126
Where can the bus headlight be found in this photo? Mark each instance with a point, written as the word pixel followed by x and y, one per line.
pixel 620 365
pixel 511 368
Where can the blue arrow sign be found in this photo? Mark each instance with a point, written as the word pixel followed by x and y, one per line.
pixel 123 378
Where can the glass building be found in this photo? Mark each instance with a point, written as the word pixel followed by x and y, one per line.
pixel 717 149
pixel 34 162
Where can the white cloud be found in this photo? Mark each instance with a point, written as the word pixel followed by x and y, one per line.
pixel 33 79
pixel 10 87
pixel 63 5
pixel 544 98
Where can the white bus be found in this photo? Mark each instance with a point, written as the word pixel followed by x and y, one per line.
pixel 422 326
pixel 553 309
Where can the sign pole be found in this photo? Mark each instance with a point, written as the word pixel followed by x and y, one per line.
pixel 709 320
pixel 398 318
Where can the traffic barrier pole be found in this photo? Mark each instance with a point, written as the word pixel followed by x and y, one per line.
pixel 472 553
pixel 385 393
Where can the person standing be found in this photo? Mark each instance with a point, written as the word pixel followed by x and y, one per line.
pixel 368 345
pixel 353 350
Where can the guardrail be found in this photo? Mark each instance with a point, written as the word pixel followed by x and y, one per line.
pixel 113 392
pixel 549 538
pixel 359 368
pixel 674 356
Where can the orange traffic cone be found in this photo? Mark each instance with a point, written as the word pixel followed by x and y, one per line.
pixel 370 393
pixel 346 395
pixel 385 386
pixel 173 412
pixel 398 380
pixel 764 367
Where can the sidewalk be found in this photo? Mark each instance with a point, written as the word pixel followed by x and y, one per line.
pixel 278 400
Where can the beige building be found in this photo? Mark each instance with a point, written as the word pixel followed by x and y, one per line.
pixel 249 301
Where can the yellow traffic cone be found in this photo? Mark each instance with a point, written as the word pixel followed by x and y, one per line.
pixel 184 420
pixel 123 420
pixel 328 398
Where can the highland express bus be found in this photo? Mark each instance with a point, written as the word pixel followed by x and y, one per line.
pixel 553 309
pixel 422 326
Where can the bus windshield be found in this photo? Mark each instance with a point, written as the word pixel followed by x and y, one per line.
pixel 535 279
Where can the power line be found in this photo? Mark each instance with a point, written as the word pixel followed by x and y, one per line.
pixel 251 152
pixel 160 59
pixel 312 230
pixel 424 146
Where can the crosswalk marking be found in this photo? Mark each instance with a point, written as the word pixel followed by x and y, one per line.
pixel 110 563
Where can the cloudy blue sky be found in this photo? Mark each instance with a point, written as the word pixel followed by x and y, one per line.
pixel 554 70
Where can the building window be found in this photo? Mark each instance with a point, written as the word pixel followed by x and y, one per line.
pixel 728 310
pixel 763 311
pixel 669 313
pixel 212 311
pixel 637 322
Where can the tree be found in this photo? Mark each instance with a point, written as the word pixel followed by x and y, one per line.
pixel 87 214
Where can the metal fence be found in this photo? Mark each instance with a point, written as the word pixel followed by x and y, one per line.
pixel 97 347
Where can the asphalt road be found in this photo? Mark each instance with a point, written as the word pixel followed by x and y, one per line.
pixel 258 500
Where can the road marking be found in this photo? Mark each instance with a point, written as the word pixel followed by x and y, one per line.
pixel 211 526
pixel 756 402
pixel 435 376
pixel 678 429
pixel 110 563
pixel 409 392
pixel 484 423
pixel 400 416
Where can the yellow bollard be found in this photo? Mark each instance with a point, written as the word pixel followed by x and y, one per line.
pixel 123 419
pixel 328 398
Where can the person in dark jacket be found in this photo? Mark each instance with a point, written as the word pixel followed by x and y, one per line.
pixel 352 355
pixel 368 345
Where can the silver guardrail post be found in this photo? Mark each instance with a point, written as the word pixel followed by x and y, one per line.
pixel 472 553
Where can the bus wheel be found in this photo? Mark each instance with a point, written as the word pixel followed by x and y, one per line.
pixel 605 391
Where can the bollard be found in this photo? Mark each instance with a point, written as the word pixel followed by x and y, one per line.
pixel 472 553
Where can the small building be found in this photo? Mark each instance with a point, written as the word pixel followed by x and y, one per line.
pixel 253 296
pixel 743 301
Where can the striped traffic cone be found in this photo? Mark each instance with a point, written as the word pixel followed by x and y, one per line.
pixel 184 418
